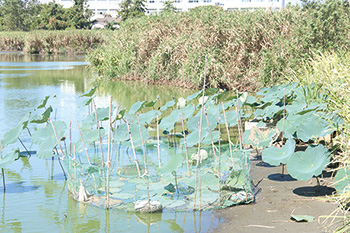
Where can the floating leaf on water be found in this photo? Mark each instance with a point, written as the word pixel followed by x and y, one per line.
pixel 170 188
pixel 274 156
pixel 9 158
pixel 304 165
pixel 302 218
pixel 342 180
pixel 137 107
pixel 167 105
pixel 122 195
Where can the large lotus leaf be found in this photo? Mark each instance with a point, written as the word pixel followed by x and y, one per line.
pixel 12 135
pixel 312 127
pixel 295 107
pixel 90 92
pixel 231 118
pixel 137 107
pixel 275 156
pixel 209 180
pixel 210 91
pixel 149 116
pixel 207 139
pixel 272 95
pixel 193 96
pixel 152 103
pixel 43 102
pixel 192 139
pixel 44 117
pixel 168 123
pixel 122 195
pixel 9 158
pixel 291 124
pixel 89 137
pixel 175 161
pixel 230 103
pixel 342 180
pixel 135 134
pixel 42 134
pixel 193 123
pixel 251 100
pixel 121 133
pixel 45 149
pixel 304 165
pixel 167 105
pixel 103 113
pixel 260 137
pixel 188 111
pixel 237 179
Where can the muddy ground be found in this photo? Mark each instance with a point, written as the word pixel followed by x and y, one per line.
pixel 276 200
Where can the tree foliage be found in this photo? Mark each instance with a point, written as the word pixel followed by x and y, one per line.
pixel 169 7
pixel 131 9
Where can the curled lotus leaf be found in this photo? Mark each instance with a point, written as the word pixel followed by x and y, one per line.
pixel 137 107
pixel 167 105
pixel 276 156
pixel 9 158
pixel 303 165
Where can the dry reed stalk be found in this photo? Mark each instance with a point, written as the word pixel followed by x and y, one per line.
pixel 143 145
pixel 158 144
pixel 133 149
pixel 211 135
pixel 99 133
pixel 82 140
pixel 58 140
pixel 185 142
pixel 228 134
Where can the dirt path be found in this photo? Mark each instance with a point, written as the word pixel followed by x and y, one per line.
pixel 276 200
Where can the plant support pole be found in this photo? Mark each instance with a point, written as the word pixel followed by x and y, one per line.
pixel 211 135
pixel 158 144
pixel 185 142
pixel 228 135
pixel 133 149
pixel 99 133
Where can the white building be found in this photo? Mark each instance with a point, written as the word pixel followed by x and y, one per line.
pixel 110 7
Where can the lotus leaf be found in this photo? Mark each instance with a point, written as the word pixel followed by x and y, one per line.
pixel 193 96
pixel 149 116
pixel 207 139
pixel 276 156
pixel 188 111
pixel 231 118
pixel 152 103
pixel 260 137
pixel 9 158
pixel 167 105
pixel 311 162
pixel 44 117
pixel 90 92
pixel 342 180
pixel 173 164
pixel 12 135
pixel 168 123
pixel 302 218
pixel 137 107
pixel 193 123
pixel 43 102
pixel 103 113
pixel 122 195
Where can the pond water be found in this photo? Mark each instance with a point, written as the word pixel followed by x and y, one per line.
pixel 36 197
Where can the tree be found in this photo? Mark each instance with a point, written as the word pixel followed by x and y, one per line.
pixel 18 15
pixel 131 9
pixel 169 7
pixel 79 15
pixel 52 16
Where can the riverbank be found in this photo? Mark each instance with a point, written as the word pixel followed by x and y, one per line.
pixel 54 42
pixel 276 200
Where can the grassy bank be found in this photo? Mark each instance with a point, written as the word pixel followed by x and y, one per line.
pixel 53 42
pixel 245 49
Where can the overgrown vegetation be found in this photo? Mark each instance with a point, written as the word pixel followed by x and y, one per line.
pixel 25 15
pixel 72 41
pixel 245 49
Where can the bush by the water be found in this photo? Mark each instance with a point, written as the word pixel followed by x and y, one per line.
pixel 245 49
pixel 72 41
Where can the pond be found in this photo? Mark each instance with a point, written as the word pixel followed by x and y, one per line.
pixel 37 198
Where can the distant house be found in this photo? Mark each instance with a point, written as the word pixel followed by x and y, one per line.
pixel 100 23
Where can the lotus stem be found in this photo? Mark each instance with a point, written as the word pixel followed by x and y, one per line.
pixel 228 135
pixel 30 134
pixel 143 145
pixel 133 149
pixel 239 130
pixel 59 161
pixel 109 133
pixel 219 158
pixel 211 135
pixel 82 140
pixel 24 147
pixel 199 142
pixel 58 140
pixel 240 119
pixel 99 133
pixel 283 165
pixel 70 138
pixel 3 178
pixel 158 144
pixel 185 142
pixel 318 184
